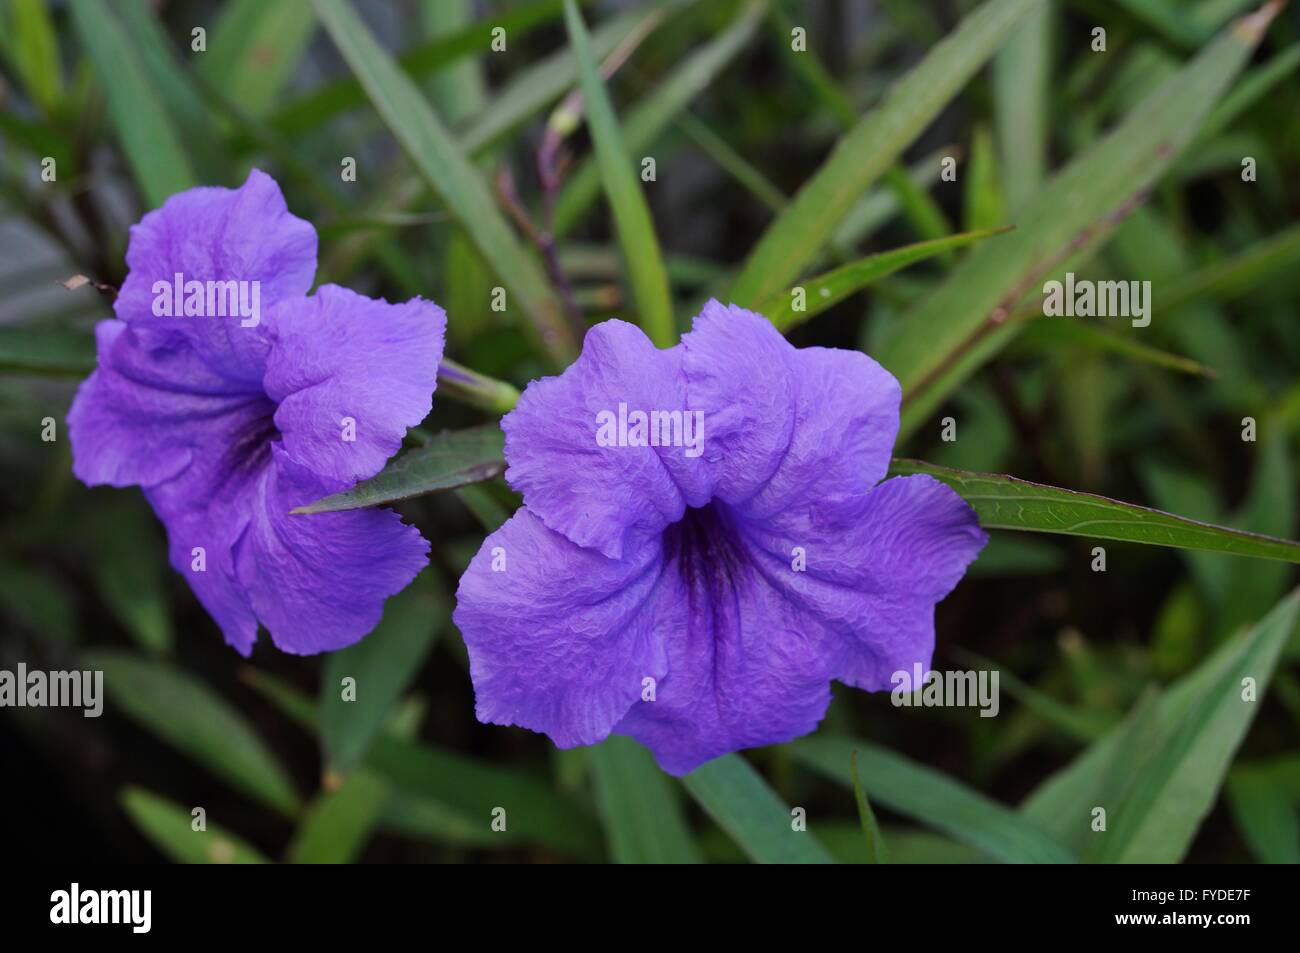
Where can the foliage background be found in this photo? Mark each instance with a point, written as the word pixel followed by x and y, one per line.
pixel 737 124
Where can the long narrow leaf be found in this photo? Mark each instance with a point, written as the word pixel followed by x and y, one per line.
pixel 1067 219
pixel 742 804
pixel 439 158
pixel 152 147
pixel 825 291
pixel 931 798
pixel 639 806
pixel 636 232
pixel 1004 502
pixel 870 148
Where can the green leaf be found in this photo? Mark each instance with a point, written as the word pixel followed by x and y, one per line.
pixel 741 803
pixel 439 158
pixel 140 122
pixel 314 109
pixel 336 826
pixel 46 351
pixel 33 47
pixel 638 804
pixel 382 666
pixel 1265 812
pixel 656 112
pixel 538 86
pixel 254 48
pixel 1065 221
pixel 440 795
pixel 827 290
pixel 932 798
pixel 1055 333
pixel 1021 104
pixel 876 853
pixel 636 232
pixel 1158 774
pixel 168 72
pixel 1004 502
pixel 1236 275
pixel 129 566
pixel 196 721
pixel 870 148
pixel 472 790
pixel 170 827
pixel 450 459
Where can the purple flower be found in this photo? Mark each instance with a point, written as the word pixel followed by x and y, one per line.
pixel 701 602
pixel 232 396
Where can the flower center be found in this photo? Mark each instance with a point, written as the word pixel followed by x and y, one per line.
pixel 703 547
pixel 250 445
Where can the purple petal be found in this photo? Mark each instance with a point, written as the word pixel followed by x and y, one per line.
pixel 318 582
pixel 142 415
pixel 216 234
pixel 338 356
pixel 746 667
pixel 846 412
pixel 739 374
pixel 559 637
pixel 875 581
pixel 603 496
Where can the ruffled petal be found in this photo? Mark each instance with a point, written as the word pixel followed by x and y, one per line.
pixel 846 421
pixel 739 375
pixel 343 365
pixel 605 496
pixel 142 415
pixel 318 582
pixel 875 581
pixel 560 638
pixel 215 234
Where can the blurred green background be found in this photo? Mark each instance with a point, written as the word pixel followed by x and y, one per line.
pixel 1125 674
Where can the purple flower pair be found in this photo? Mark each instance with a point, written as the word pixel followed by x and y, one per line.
pixel 705 542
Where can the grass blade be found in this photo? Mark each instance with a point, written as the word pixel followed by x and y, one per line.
pixel 1158 773
pixel 335 828
pixel 439 158
pixel 1062 222
pixel 473 791
pixel 825 291
pixel 46 351
pixel 170 827
pixel 742 804
pixel 1004 502
pixel 931 798
pixel 33 49
pixel 639 806
pixel 1021 75
pixel 153 150
pixel 659 108
pixel 195 720
pixel 869 149
pixel 876 853
pixel 254 48
pixel 381 665
pixel 632 220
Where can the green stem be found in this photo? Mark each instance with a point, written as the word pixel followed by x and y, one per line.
pixel 478 390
